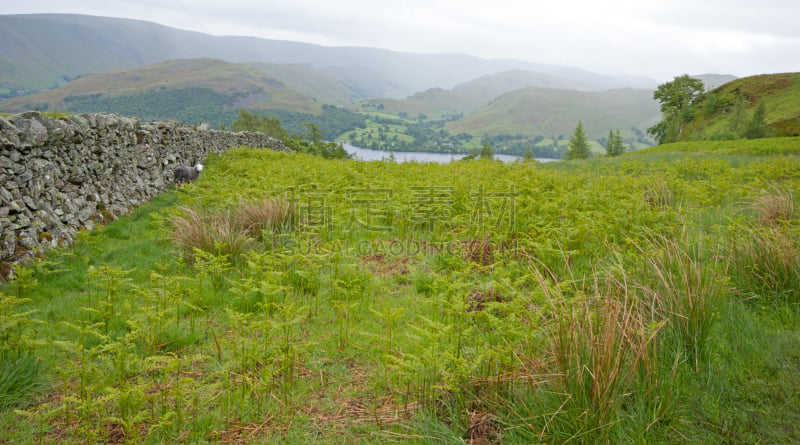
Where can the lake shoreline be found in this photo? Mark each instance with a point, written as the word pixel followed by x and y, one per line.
pixel 368 154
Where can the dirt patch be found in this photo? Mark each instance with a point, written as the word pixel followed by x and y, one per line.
pixel 479 250
pixel 477 298
pixel 380 264
pixel 483 429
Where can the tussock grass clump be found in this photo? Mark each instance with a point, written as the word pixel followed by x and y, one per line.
pixel 684 284
pixel 259 216
pixel 209 232
pixel 230 232
pixel 599 343
pixel 774 206
pixel 19 377
pixel 765 261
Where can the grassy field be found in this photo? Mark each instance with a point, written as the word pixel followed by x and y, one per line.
pixel 284 298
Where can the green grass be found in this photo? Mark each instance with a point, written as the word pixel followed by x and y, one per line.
pixel 613 300
pixel 768 146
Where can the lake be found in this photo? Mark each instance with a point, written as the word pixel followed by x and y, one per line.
pixel 366 154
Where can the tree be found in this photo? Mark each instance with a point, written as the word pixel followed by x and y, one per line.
pixel 271 126
pixel 679 94
pixel 757 127
pixel 676 98
pixel 578 144
pixel 614 144
pixel 486 151
pixel 314 133
pixel 528 154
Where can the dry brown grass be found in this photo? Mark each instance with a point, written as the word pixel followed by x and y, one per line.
pixel 658 194
pixel 230 232
pixel 210 232
pixel 774 205
pixel 259 216
pixel 766 260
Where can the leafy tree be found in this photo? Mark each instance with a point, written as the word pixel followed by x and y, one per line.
pixel 314 133
pixel 737 119
pixel 679 94
pixel 486 151
pixel 614 144
pixel 271 126
pixel 676 98
pixel 578 144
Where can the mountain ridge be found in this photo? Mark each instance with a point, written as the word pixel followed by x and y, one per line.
pixel 60 47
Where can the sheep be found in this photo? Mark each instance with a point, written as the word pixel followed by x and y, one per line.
pixel 187 174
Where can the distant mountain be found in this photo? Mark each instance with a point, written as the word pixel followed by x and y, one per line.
pixel 551 112
pixel 510 80
pixel 467 97
pixel 42 51
pixel 192 90
pixel 726 112
pixel 713 81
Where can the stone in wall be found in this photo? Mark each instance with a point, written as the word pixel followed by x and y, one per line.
pixel 61 175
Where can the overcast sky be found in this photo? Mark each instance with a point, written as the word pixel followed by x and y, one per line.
pixel 656 39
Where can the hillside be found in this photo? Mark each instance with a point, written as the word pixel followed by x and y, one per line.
pixel 179 84
pixel 41 51
pixel 552 112
pixel 467 97
pixel 647 298
pixel 725 112
pixel 323 86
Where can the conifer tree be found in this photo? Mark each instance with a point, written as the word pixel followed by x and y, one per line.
pixel 578 144
pixel 614 145
pixel 486 151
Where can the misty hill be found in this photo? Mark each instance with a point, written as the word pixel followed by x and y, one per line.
pixel 550 112
pixel 713 81
pixel 469 96
pixel 41 51
pixel 191 90
pixel 725 112
pixel 322 87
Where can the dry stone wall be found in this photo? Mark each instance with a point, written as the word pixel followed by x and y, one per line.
pixel 61 175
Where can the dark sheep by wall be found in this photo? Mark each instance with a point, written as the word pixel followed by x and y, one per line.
pixel 61 175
